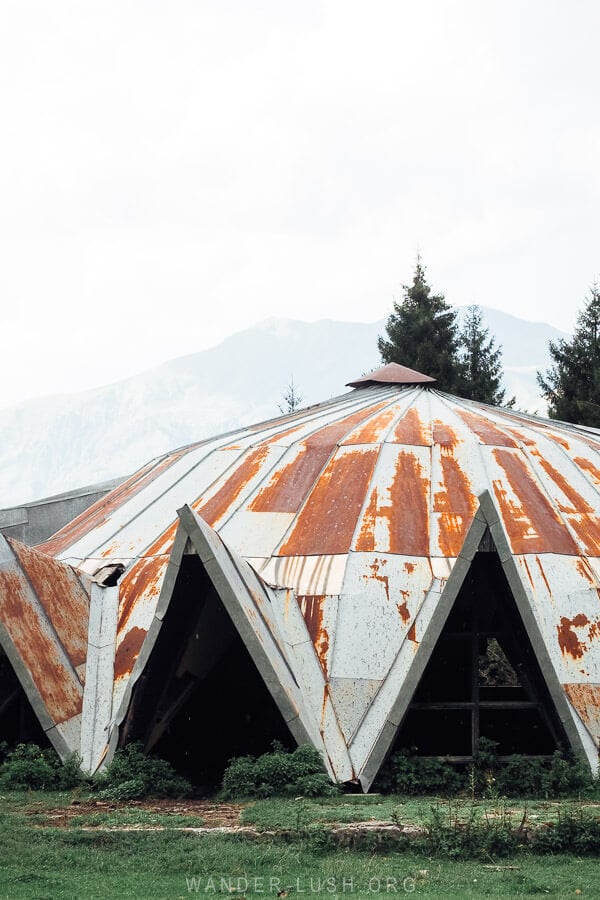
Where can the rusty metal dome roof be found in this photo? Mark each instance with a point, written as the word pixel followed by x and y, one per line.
pixel 365 510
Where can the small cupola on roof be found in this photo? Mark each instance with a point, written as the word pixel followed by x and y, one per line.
pixel 391 374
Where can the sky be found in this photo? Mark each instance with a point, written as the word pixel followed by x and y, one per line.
pixel 172 172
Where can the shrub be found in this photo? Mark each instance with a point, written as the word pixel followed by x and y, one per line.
pixel 28 767
pixel 576 830
pixel 447 833
pixel 404 773
pixel 278 773
pixel 133 775
pixel 564 774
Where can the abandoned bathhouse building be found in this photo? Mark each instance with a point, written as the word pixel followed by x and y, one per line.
pixel 353 575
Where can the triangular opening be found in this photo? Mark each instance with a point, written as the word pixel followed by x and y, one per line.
pixel 483 679
pixel 18 722
pixel 201 700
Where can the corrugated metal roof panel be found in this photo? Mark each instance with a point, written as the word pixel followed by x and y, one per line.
pixel 49 647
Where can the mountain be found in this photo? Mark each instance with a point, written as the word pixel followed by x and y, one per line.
pixel 58 443
pixel 524 352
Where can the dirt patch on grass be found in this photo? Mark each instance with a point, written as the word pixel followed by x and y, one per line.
pixel 212 813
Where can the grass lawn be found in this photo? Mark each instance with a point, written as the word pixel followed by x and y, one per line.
pixel 50 848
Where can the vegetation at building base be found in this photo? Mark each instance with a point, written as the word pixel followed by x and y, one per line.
pixel 278 773
pixel 29 767
pixel 130 776
pixel 572 385
pixel 561 775
pixel 422 333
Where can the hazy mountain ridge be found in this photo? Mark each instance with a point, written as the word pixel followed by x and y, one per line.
pixel 57 443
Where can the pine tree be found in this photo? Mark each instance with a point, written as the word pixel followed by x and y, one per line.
pixel 291 399
pixel 572 385
pixel 422 334
pixel 482 362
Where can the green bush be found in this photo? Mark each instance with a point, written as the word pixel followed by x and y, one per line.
pixel 404 773
pixel 133 775
pixel 563 775
pixel 28 767
pixel 576 831
pixel 278 774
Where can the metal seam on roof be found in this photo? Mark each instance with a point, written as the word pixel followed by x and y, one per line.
pixel 562 513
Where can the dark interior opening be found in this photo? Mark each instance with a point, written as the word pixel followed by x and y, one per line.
pixel 18 722
pixel 201 699
pixel 483 679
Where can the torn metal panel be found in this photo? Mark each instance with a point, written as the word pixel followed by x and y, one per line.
pixel 306 574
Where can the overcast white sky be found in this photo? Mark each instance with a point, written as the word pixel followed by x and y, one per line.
pixel 171 172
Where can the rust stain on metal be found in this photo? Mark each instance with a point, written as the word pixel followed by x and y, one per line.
pixel 589 467
pixel 327 522
pixel 128 651
pixel 586 700
pixel 366 538
pixel 444 435
pixel 403 607
pixel 522 437
pixel 100 511
pixel 409 518
pixel 581 514
pixel 584 568
pixel 406 513
pixel 567 639
pixel 311 607
pixel 59 687
pixel 578 503
pixel 486 431
pixel 250 465
pixel 376 576
pixel 559 439
pixel 532 524
pixel 457 505
pixel 143 580
pixel 62 597
pixel 412 633
pixel 593 630
pixel 371 431
pixel 409 567
pixel 289 486
pixel 529 575
pixel 411 430
pixel 543 574
pixel 587 529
